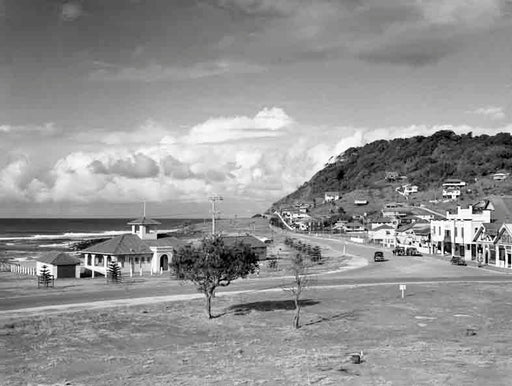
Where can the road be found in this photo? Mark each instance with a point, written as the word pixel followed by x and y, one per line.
pixel 397 269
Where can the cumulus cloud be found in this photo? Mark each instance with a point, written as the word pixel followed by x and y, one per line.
pixel 265 123
pixel 492 112
pixel 135 166
pixel 159 73
pixel 179 168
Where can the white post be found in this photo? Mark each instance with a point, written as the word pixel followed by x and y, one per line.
pixel 161 270
pixel 402 288
pixel 93 264
pixel 131 266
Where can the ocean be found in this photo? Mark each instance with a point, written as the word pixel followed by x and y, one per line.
pixel 18 236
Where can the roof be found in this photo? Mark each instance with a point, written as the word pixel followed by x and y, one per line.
pixel 144 221
pixel 380 227
pixel 128 244
pixel 490 229
pixel 250 240
pixel 58 258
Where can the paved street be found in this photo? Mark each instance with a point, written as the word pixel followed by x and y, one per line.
pixel 397 269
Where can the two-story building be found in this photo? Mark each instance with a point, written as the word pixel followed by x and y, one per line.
pixel 472 231
pixel 452 188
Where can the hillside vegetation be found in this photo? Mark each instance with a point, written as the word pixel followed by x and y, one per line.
pixel 426 161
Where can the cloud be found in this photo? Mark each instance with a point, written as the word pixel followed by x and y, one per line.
pixel 265 123
pixel 136 166
pixel 400 32
pixel 71 10
pixel 493 112
pixel 188 166
pixel 158 73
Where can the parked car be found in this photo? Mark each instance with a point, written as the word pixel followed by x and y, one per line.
pixel 411 251
pixel 399 251
pixel 378 256
pixel 457 260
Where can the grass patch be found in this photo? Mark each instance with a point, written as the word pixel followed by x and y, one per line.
pixel 420 340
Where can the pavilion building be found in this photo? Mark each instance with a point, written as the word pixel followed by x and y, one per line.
pixel 143 250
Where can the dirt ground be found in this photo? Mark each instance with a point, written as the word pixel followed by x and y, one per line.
pixel 445 334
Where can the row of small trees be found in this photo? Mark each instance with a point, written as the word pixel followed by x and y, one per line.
pixel 313 252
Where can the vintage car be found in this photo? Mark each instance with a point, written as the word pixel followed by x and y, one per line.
pixel 457 260
pixel 412 252
pixel 378 256
pixel 398 251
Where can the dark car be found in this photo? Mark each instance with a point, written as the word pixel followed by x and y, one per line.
pixel 457 260
pixel 411 251
pixel 378 256
pixel 398 251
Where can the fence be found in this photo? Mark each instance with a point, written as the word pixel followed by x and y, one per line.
pixel 18 268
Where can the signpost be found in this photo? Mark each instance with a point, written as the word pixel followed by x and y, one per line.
pixel 402 288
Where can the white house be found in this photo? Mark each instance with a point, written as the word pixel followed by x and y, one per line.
pixel 415 235
pixel 410 189
pixel 500 176
pixel 384 235
pixel 331 196
pixel 451 193
pixel 453 183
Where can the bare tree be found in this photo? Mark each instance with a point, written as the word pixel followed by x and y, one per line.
pixel 301 280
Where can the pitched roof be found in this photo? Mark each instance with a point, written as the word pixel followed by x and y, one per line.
pixel 250 240
pixel 58 258
pixel 144 221
pixel 380 227
pixel 128 244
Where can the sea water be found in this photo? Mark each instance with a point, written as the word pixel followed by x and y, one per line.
pixel 46 234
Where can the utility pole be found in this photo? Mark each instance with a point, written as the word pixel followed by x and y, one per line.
pixel 213 200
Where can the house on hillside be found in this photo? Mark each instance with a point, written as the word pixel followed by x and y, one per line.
pixel 142 250
pixel 500 176
pixel 59 264
pixel 391 176
pixel 453 183
pixel 331 196
pixel 360 202
pixel 451 193
pixel 410 189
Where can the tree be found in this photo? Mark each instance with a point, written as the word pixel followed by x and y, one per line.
pixel 301 280
pixel 213 265
pixel 113 273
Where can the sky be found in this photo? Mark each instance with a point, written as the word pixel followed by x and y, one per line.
pixel 107 104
